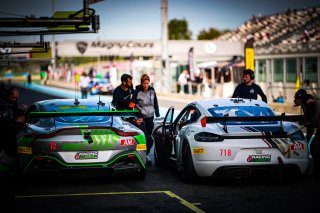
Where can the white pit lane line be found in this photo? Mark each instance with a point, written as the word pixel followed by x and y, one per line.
pixel 189 205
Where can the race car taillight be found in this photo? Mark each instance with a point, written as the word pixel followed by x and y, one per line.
pixel 122 133
pixel 208 137
pixel 203 122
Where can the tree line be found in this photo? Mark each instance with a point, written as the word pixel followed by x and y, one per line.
pixel 179 30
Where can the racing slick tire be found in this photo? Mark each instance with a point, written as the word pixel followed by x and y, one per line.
pixel 158 162
pixel 188 174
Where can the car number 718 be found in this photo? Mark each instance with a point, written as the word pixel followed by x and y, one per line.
pixel 225 152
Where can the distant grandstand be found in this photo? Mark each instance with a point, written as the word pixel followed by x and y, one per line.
pixel 287 50
pixel 292 31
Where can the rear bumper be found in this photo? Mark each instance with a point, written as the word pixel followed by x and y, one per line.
pixel 85 172
pixel 48 165
pixel 265 171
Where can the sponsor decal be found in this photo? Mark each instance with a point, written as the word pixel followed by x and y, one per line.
pixel 258 151
pixel 127 142
pixel 298 146
pixel 259 158
pixel 101 139
pixel 86 155
pixel 25 150
pixel 141 147
pixel 198 150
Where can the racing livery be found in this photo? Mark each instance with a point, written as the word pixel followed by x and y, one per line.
pixel 83 138
pixel 231 138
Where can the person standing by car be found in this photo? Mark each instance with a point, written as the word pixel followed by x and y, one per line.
pixel 122 94
pixel 11 116
pixel 311 110
pixel 8 154
pixel 248 89
pixel 9 108
pixel 145 100
pixel 84 85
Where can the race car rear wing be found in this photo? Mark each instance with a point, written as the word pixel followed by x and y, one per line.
pixel 120 113
pixel 291 118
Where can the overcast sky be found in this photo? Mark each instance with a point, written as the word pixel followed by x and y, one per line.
pixel 141 19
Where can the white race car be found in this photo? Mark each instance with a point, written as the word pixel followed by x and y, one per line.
pixel 231 138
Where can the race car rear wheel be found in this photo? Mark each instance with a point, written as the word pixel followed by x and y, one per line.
pixel 187 172
pixel 140 175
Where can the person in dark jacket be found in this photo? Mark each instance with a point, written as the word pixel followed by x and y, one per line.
pixel 9 153
pixel 8 111
pixel 122 94
pixel 311 110
pixel 12 118
pixel 145 100
pixel 248 89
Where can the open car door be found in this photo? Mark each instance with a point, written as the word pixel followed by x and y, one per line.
pixel 163 136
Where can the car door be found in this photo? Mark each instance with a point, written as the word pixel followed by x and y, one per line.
pixel 162 135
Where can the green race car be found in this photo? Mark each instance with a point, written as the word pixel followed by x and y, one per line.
pixel 80 138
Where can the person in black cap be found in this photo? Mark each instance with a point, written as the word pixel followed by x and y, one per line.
pixel 311 110
pixel 248 89
pixel 121 95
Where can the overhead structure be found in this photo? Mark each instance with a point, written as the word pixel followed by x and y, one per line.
pixel 62 22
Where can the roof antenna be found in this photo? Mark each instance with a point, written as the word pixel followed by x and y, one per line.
pixel 100 102
pixel 281 124
pixel 225 128
pixel 76 101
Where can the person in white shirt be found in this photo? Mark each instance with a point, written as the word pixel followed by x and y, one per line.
pixel 84 85
pixel 183 81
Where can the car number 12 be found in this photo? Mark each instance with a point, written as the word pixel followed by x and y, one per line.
pixel 225 152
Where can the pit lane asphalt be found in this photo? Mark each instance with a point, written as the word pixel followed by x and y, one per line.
pixel 161 191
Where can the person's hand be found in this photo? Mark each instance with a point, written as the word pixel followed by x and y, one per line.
pixel 132 105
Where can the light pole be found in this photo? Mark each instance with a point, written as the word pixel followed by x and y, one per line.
pixel 166 76
pixel 53 43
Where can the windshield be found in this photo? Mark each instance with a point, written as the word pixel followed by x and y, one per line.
pixel 82 119
pixel 242 111
pixel 72 119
